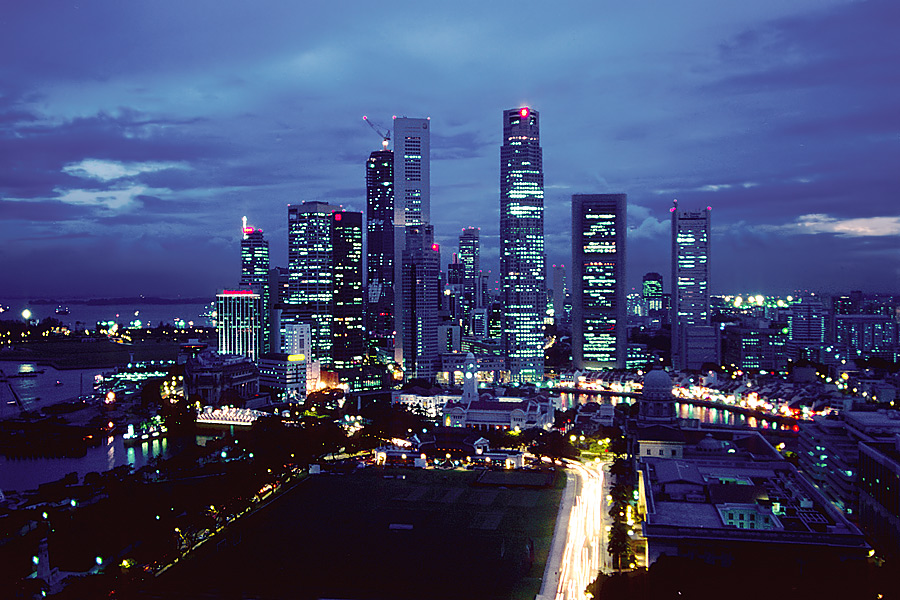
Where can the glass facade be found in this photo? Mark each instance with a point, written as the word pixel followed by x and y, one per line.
pixel 255 274
pixel 690 277
pixel 238 323
pixel 598 281
pixel 380 246
pixel 522 244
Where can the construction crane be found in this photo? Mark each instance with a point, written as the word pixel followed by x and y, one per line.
pixel 384 133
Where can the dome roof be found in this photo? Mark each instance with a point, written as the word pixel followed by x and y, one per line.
pixel 708 444
pixel 657 385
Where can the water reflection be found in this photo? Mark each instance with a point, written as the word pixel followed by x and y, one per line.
pixel 29 473
pixel 705 414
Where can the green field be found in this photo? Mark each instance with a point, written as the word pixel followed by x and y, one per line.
pixel 430 535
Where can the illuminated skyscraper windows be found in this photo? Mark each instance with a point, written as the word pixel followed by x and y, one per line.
pixel 598 281
pixel 522 244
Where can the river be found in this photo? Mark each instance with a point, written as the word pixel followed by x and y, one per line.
pixel 709 415
pixel 48 386
pixel 28 473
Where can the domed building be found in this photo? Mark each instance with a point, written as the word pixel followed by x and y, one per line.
pixel 658 432
pixel 657 405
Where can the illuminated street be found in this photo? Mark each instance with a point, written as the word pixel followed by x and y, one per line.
pixel 574 562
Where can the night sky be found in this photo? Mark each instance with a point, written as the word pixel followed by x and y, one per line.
pixel 135 135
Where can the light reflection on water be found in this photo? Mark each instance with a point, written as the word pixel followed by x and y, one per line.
pixel 29 473
pixel 704 414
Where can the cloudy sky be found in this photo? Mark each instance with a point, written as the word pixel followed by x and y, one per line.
pixel 134 135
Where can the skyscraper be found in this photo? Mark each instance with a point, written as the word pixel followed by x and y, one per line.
pixel 255 273
pixel 238 324
pixel 311 283
pixel 599 332
pixel 380 247
pixel 412 207
pixel 470 257
pixel 421 297
pixel 348 331
pixel 412 171
pixel 559 292
pixel 522 244
pixel 693 342
pixel 652 293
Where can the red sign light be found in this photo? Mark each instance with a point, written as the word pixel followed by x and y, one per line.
pixel 337 216
pixel 435 247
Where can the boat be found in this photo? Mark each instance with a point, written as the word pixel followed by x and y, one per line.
pixel 62 310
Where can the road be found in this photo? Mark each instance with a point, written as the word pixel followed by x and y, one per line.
pixel 578 550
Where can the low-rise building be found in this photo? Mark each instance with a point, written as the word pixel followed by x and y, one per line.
pixel 285 373
pixel 730 496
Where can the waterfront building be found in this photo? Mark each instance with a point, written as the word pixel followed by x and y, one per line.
pixel 380 247
pixel 599 326
pixel 694 341
pixel 522 244
pixel 239 323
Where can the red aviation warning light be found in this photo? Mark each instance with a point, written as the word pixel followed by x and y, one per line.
pixel 524 112
pixel 435 247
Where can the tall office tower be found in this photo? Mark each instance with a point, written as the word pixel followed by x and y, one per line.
pixel 421 266
pixel 599 321
pixel 311 282
pixel 412 204
pixel 559 291
pixel 380 247
pixel 652 293
pixel 806 328
pixel 238 323
pixel 255 273
pixel 470 256
pixel 348 330
pixel 691 338
pixel 522 244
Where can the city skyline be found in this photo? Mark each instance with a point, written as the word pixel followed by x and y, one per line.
pixel 125 157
